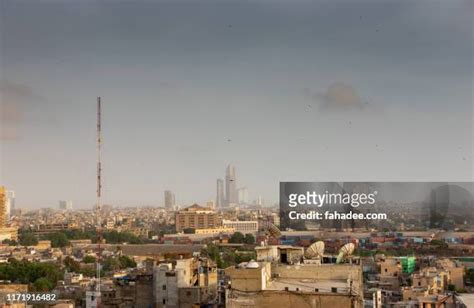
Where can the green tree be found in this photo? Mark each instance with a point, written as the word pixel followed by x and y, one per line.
pixel 42 285
pixel 111 264
pixel 126 262
pixel 189 230
pixel 237 238
pixel 28 239
pixel 439 243
pixel 88 259
pixel 29 272
pixel 249 239
pixel 58 240
pixel 9 242
pixel 89 271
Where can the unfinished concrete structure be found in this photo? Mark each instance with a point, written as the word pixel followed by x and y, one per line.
pixel 281 278
pixel 185 283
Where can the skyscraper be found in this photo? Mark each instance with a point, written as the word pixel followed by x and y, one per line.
pixel 3 207
pixel 65 205
pixel 11 203
pixel 243 195
pixel 230 186
pixel 220 193
pixel 170 200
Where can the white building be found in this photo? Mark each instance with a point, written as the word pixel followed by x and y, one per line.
pixel 243 195
pixel 65 205
pixel 244 227
pixel 10 203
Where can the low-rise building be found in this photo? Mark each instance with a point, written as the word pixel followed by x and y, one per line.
pixel 244 227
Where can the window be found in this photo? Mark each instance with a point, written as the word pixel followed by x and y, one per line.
pixel 164 287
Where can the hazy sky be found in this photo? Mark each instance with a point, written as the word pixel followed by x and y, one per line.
pixel 285 90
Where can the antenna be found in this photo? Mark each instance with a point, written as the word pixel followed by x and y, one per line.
pixel 99 191
pixel 345 251
pixel 273 230
pixel 315 251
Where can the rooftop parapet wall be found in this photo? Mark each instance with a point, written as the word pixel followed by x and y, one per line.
pixel 324 271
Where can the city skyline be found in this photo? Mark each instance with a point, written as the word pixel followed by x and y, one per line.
pixel 323 91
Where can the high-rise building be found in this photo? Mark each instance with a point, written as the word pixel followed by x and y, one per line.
pixel 11 203
pixel 230 186
pixel 170 200
pixel 65 205
pixel 220 194
pixel 211 204
pixel 243 195
pixel 3 207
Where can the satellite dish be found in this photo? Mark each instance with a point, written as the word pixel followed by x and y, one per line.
pixel 316 250
pixel 252 264
pixel 345 251
pixel 274 231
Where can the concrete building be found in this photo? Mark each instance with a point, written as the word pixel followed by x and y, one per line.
pixel 197 217
pixel 283 283
pixel 3 207
pixel 185 283
pixel 217 230
pixel 6 233
pixel 220 199
pixel 170 200
pixel 211 204
pixel 243 195
pixel 259 201
pixel 245 227
pixel 10 203
pixel 455 271
pixel 65 205
pixel 230 186
pixel 12 288
pixel 390 273
pixel 45 229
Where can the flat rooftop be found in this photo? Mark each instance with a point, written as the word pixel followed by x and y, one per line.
pixel 308 285
pixel 467 299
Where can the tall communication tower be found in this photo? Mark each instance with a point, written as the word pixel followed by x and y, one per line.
pixel 98 206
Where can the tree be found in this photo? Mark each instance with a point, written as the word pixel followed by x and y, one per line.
pixel 26 272
pixel 9 242
pixel 439 243
pixel 58 240
pixel 28 239
pixel 42 285
pixel 237 238
pixel 88 259
pixel 89 271
pixel 189 230
pixel 126 262
pixel 111 264
pixel 249 239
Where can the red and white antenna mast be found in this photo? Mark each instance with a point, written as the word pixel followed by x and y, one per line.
pixel 98 206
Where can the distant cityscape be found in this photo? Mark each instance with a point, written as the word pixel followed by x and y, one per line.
pixel 236 154
pixel 232 253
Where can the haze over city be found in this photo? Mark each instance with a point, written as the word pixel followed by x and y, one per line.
pixel 285 91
